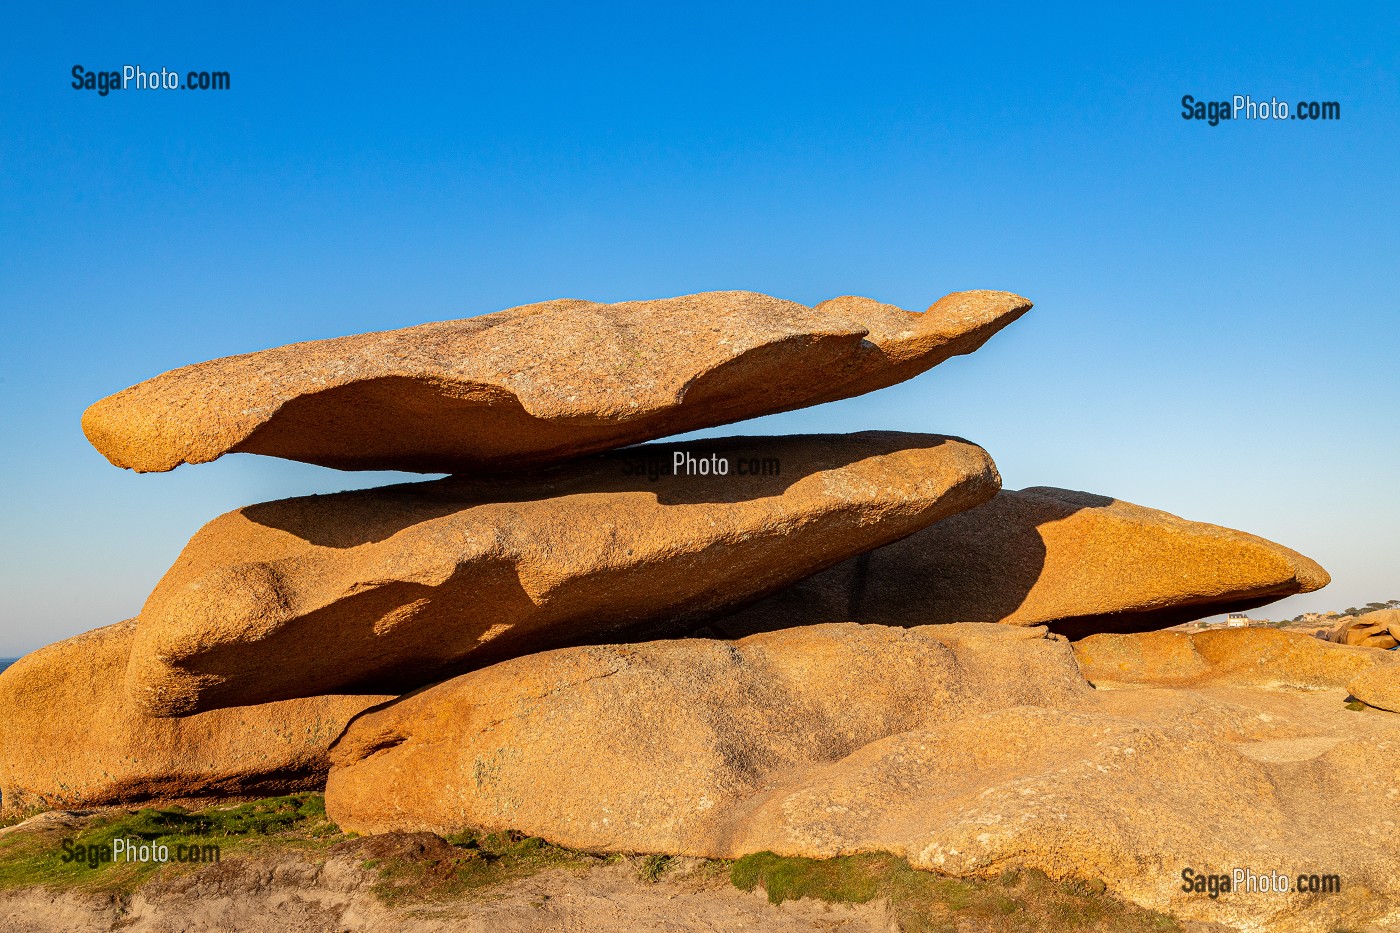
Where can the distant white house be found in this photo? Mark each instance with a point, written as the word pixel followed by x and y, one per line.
pixel 1237 620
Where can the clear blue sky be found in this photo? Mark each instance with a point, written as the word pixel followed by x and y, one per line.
pixel 1215 330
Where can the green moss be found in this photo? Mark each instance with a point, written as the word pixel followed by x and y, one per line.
pixel 851 879
pixel 922 902
pixel 483 859
pixel 38 858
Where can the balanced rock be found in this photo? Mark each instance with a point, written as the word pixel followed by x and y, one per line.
pixel 71 738
pixel 535 384
pixel 965 748
pixel 388 589
pixel 1379 687
pixel 1263 657
pixel 658 746
pixel 1077 562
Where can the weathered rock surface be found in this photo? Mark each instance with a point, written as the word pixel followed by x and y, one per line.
pixel 1074 561
pixel 1379 629
pixel 388 589
pixel 658 746
pixel 967 749
pixel 72 739
pixel 535 384
pixel 1123 794
pixel 1379 687
pixel 1262 657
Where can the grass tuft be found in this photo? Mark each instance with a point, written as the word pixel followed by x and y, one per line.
pixel 653 867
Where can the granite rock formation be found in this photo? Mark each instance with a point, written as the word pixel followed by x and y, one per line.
pixel 969 749
pixel 1379 629
pixel 1378 686
pixel 536 384
pixel 1077 562
pixel 389 589
pixel 1262 657
pixel 71 738
pixel 661 746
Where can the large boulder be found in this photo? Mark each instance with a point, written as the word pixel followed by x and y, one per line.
pixel 659 746
pixel 1379 629
pixel 535 384
pixel 71 738
pixel 969 749
pixel 385 590
pixel 1077 562
pixel 1378 686
pixel 1259 656
pixel 1118 792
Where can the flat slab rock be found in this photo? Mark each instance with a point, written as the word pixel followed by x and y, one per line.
pixel 1075 561
pixel 1259 657
pixel 71 738
pixel 965 748
pixel 536 384
pixel 385 590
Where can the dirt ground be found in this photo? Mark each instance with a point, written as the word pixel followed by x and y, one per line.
pixel 298 896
